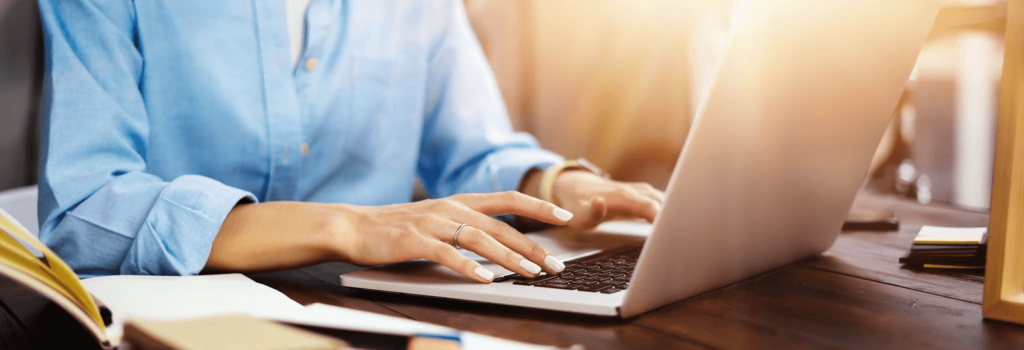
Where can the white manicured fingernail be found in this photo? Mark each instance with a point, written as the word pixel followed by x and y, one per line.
pixel 562 214
pixel 484 273
pixel 529 266
pixel 554 264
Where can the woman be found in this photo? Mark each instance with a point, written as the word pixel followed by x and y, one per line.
pixel 183 136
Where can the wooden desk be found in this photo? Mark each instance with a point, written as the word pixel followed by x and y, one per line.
pixel 854 296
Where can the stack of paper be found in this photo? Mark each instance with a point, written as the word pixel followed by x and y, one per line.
pixel 948 248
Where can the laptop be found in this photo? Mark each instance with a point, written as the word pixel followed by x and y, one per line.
pixel 773 161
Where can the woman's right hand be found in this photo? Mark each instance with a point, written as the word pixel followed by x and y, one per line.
pixel 374 235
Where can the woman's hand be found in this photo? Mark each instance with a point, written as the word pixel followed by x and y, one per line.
pixel 426 229
pixel 278 235
pixel 594 199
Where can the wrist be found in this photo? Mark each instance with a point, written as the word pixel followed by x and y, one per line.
pixel 337 230
pixel 551 175
pixel 563 189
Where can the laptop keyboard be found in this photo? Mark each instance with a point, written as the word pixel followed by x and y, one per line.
pixel 606 272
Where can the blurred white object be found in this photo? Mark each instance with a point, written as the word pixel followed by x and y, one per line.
pixel 20 203
pixel 975 120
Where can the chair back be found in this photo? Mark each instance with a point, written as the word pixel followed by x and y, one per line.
pixel 21 204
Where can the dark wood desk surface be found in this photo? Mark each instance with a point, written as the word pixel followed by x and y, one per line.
pixel 854 295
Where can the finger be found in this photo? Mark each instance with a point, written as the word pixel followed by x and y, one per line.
pixel 512 202
pixel 512 239
pixel 481 243
pixel 649 191
pixel 597 211
pixel 441 253
pixel 631 203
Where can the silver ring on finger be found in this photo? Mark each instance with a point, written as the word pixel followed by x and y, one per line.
pixel 455 239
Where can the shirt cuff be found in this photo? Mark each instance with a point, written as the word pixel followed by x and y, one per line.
pixel 507 168
pixel 178 234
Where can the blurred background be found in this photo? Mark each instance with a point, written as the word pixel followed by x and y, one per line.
pixel 617 82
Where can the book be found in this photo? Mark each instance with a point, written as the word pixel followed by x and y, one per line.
pixel 50 277
pixel 948 248
pixel 223 332
pixel 951 235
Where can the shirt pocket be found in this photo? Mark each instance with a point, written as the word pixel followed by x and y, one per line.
pixel 373 82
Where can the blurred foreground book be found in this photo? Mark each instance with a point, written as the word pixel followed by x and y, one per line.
pixel 223 332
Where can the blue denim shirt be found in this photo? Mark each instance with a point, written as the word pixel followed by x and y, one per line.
pixel 161 115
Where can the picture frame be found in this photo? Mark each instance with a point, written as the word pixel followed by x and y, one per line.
pixel 1003 297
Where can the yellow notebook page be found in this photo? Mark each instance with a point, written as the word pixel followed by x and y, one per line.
pixel 61 271
pixel 20 259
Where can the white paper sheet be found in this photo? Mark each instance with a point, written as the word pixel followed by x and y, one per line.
pixel 952 232
pixel 174 298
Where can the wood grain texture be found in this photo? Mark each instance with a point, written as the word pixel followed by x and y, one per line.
pixel 1003 299
pixel 305 288
pixel 875 255
pixel 809 308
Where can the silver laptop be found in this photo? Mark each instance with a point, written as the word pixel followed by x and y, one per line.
pixel 771 166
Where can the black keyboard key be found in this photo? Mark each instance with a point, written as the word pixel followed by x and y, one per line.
pixel 532 281
pixel 509 277
pixel 608 274
pixel 559 285
pixel 596 287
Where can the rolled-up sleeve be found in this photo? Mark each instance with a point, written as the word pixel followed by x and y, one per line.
pixel 468 143
pixel 98 207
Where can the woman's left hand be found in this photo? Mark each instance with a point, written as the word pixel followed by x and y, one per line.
pixel 593 199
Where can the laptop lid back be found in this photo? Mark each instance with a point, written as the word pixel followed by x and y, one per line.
pixel 782 142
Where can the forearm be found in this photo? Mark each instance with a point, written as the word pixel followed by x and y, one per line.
pixel 275 236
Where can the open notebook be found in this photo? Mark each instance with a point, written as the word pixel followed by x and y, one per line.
pixel 51 277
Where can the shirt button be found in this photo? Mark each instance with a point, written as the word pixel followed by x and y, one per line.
pixel 311 64
pixel 305 149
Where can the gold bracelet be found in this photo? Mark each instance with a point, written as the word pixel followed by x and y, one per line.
pixel 547 181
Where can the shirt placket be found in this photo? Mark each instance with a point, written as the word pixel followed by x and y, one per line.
pixel 284 118
pixel 317 22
